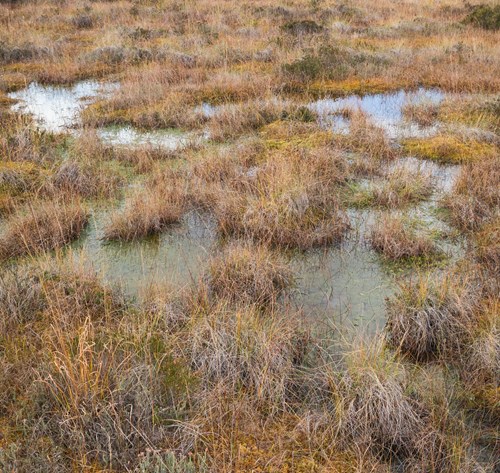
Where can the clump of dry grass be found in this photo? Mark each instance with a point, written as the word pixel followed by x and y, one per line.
pixel 18 178
pixel 21 297
pixel 249 274
pixel 43 226
pixel 103 397
pixel 85 180
pixel 487 243
pixel 244 348
pixel 402 187
pixel 475 197
pixel 395 240
pixel 233 120
pixel 478 111
pixel 74 292
pixel 280 223
pixel 425 114
pixel 58 290
pixel 149 211
pixel 291 201
pixel 432 317
pixel 370 140
pixel 228 165
pixel 378 412
pixel 88 147
pixel 20 140
pixel 145 158
pixel 480 369
pixel 99 375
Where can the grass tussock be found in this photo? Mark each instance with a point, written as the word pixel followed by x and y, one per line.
pixel 395 241
pixel 42 227
pixel 380 415
pixel 487 243
pixel 402 187
pixel 146 213
pixel 233 120
pixel 482 358
pixel 433 317
pixel 292 201
pixel 475 197
pixel 424 114
pixel 21 297
pixel 21 141
pixel 244 348
pixel 85 180
pixel 370 142
pixel 249 274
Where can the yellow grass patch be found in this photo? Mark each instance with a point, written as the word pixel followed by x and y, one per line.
pixel 449 149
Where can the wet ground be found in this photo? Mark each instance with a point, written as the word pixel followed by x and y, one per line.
pixel 386 111
pixel 343 285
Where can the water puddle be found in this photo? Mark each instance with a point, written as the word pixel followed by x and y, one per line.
pixel 56 109
pixel 335 285
pixel 343 286
pixel 386 111
pixel 131 137
pixel 174 258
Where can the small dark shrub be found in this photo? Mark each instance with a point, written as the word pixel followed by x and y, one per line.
pixel 83 21
pixel 302 27
pixel 330 62
pixel 484 16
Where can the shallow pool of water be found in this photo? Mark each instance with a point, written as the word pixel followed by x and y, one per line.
pixel 386 111
pixel 55 108
pixel 173 258
pixel 129 136
pixel 342 286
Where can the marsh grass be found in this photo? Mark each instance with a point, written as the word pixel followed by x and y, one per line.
pixel 84 180
pixel 227 374
pixel 20 140
pixel 487 243
pixel 450 149
pixel 482 358
pixel 380 414
pixel 475 196
pixel 21 297
pixel 242 348
pixel 396 240
pixel 400 188
pixel 42 226
pixel 369 142
pixel 425 114
pixel 149 211
pixel 249 274
pixel 233 120
pixel 433 317
pixel 291 201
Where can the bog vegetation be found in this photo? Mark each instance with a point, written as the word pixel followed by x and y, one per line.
pixel 231 372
